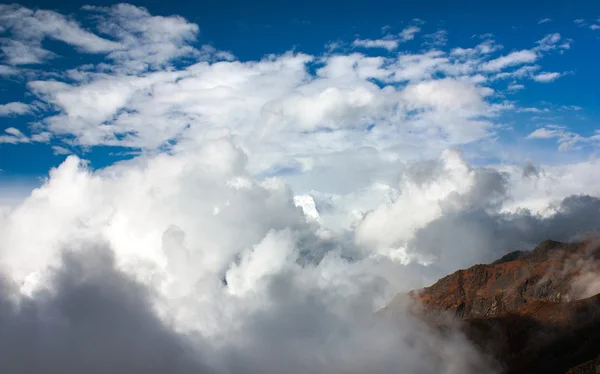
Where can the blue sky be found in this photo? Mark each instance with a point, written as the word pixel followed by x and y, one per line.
pixel 250 31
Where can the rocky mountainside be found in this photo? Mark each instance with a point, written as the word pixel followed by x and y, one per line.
pixel 552 272
pixel 535 312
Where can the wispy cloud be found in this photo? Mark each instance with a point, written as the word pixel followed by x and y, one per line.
pixel 566 139
pixel 409 33
pixel 28 28
pixel 389 42
pixel 516 87
pixel 14 108
pixel 512 59
pixel 13 136
pixel 436 39
pixel 546 77
pixel 551 42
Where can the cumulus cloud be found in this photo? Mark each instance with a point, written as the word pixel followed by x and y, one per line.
pixel 89 306
pixel 448 207
pixel 290 111
pixel 273 207
pixel 90 318
pixel 184 262
pixel 286 113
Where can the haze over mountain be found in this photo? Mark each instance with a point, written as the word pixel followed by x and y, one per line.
pixel 225 188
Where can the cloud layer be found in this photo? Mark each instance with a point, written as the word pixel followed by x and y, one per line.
pixel 272 206
pixel 188 261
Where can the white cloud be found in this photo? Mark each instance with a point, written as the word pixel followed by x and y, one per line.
pixel 571 107
pixel 58 150
pixel 287 116
pixel 595 27
pixel 447 94
pixel 140 41
pixel 13 136
pixel 544 20
pixel 512 59
pixel 566 139
pixel 520 73
pixel 212 269
pixel 419 66
pixel 147 41
pixel 516 87
pixel 388 44
pixel 551 42
pixel 8 70
pixel 543 133
pixel 532 110
pixel 286 113
pixel 185 227
pixel 19 53
pixel 378 228
pixel 409 33
pixel 276 109
pixel 14 108
pixel 486 47
pixel 29 28
pixel 436 39
pixel 546 77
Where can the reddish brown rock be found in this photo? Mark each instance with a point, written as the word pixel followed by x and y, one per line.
pixel 532 311
pixel 547 273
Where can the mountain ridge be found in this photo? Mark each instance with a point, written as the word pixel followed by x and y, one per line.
pixel 530 310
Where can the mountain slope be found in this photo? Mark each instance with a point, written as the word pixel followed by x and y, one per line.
pixel 535 312
pixel 548 273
